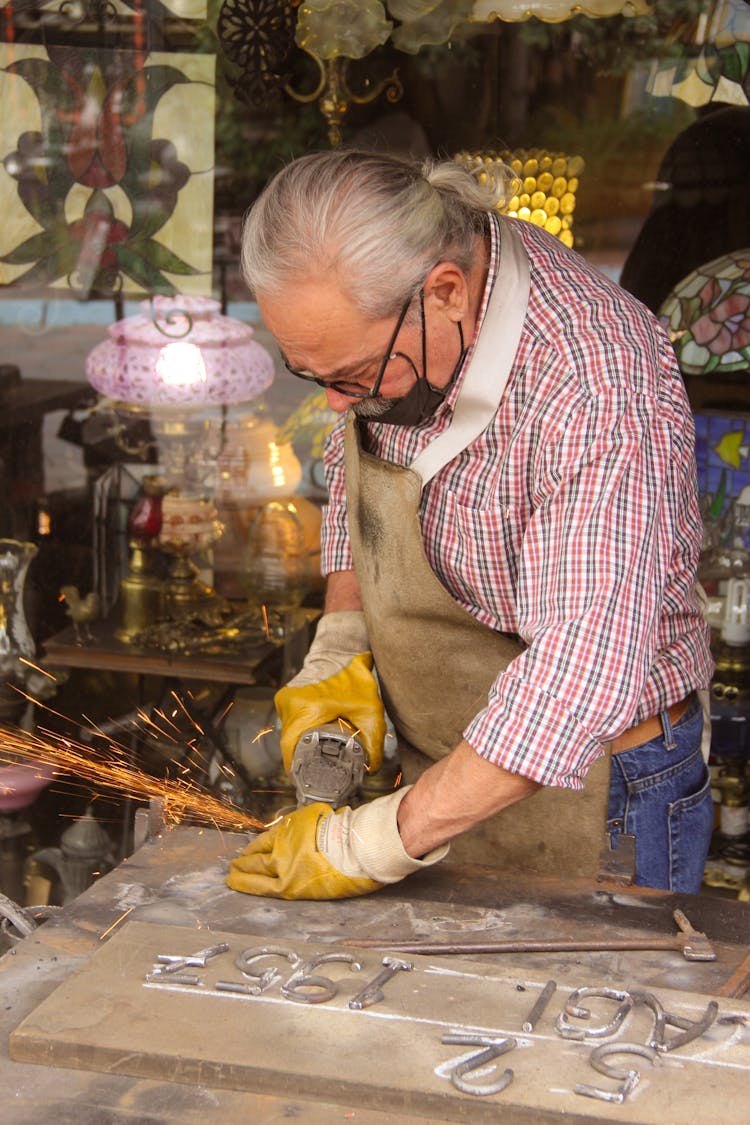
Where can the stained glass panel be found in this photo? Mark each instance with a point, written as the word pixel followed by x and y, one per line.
pixel 107 177
pixel 722 453
pixel 708 316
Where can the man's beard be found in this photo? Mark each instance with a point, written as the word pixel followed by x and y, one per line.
pixel 372 407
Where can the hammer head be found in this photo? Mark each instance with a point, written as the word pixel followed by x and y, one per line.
pixel 695 946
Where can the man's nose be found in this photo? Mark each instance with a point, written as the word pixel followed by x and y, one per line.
pixel 337 401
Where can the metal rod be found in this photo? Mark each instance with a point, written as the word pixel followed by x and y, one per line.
pixel 739 982
pixel 539 1006
pixel 552 945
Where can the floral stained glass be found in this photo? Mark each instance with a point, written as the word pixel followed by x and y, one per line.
pixel 106 180
pixel 72 11
pixel 722 454
pixel 720 72
pixel 708 316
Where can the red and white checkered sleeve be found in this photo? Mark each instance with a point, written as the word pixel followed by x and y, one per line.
pixel 336 551
pixel 594 565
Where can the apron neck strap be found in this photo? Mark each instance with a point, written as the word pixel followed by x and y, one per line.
pixel 485 377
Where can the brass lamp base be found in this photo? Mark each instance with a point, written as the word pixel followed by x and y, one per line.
pixel 141 598
pixel 185 593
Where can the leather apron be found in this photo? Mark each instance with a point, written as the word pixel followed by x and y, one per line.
pixel 435 662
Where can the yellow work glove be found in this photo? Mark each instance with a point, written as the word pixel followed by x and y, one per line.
pixel 321 854
pixel 335 682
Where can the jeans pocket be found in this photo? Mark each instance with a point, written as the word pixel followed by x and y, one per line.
pixel 690 823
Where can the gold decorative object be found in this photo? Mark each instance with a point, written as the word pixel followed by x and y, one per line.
pixel 553 11
pixel 190 525
pixel 543 187
pixel 276 570
pixel 141 600
pixel 141 596
pixel 82 609
pixel 212 629
pixel 332 32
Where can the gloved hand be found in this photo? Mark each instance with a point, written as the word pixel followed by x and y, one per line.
pixel 317 853
pixel 336 681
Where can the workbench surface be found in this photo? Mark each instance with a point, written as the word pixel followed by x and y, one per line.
pixel 177 880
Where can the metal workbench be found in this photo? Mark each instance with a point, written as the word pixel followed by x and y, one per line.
pixel 177 879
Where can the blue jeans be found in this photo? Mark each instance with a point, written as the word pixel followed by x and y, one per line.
pixel 660 792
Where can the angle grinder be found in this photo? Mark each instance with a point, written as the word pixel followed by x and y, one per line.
pixel 328 765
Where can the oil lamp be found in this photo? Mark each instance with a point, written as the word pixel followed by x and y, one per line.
pixel 181 363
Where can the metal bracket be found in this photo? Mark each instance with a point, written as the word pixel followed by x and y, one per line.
pixel 617 865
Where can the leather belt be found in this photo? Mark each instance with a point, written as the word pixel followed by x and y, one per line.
pixel 649 728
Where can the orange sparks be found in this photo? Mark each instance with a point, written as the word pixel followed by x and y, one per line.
pixel 266 626
pixel 188 716
pixel 43 671
pixel 115 923
pixel 168 719
pixel 259 735
pixel 183 798
pixel 150 722
pixel 224 713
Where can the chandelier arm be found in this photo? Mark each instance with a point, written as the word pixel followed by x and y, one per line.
pixel 305 99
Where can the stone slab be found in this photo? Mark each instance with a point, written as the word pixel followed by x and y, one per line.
pixel 108 1018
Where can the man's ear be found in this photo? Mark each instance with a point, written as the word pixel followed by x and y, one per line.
pixel 446 289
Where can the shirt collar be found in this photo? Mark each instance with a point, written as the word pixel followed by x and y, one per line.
pixel 492 271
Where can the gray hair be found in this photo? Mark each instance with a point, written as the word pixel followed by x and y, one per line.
pixel 376 223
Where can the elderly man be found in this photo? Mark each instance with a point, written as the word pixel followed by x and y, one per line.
pixel 511 535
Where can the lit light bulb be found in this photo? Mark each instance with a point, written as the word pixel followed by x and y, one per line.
pixel 180 364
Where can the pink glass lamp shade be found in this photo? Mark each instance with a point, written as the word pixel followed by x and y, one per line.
pixel 180 351
pixel 20 785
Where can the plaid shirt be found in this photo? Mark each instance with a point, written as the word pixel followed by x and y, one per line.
pixel 572 521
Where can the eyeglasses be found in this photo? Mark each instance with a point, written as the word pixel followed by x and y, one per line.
pixel 352 388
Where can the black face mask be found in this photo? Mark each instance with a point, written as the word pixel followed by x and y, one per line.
pixel 420 403
pixel 417 405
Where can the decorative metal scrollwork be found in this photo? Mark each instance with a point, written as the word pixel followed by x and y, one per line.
pixel 258 37
pixel 101 12
pixel 175 323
